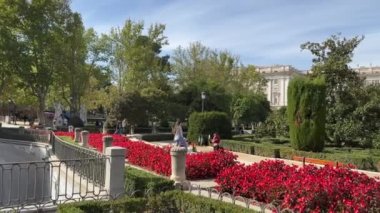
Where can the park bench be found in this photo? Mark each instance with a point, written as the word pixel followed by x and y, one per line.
pixel 322 162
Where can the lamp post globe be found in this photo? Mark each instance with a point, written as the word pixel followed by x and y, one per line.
pixel 203 96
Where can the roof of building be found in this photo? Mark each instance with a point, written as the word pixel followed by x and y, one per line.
pixel 368 70
pixel 278 70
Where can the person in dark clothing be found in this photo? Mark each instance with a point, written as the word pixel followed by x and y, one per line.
pixel 25 118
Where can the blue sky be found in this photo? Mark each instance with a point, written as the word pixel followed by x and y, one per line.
pixel 264 32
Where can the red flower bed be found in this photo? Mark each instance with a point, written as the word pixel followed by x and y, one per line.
pixel 157 159
pixel 306 189
pixel 208 164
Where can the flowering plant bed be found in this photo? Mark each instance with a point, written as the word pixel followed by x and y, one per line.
pixel 157 159
pixel 305 189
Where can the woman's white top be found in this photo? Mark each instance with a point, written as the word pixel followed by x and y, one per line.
pixel 178 132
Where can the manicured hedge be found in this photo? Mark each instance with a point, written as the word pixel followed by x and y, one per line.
pixel 253 138
pixel 275 140
pixel 139 181
pixel 206 123
pixel 251 148
pixel 245 137
pixel 365 162
pixel 307 113
pixel 171 201
pixel 126 204
pixel 13 134
pixel 158 137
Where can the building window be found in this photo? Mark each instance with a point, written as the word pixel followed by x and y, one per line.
pixel 275 98
pixel 275 81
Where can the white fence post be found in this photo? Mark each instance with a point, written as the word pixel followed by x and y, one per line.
pixel 77 135
pixel 114 177
pixel 178 159
pixel 107 142
pixel 84 137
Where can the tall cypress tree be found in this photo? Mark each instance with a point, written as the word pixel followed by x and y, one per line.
pixel 307 113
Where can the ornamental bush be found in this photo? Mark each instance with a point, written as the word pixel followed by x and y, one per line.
pixel 139 182
pixel 170 201
pixel 206 123
pixel 307 113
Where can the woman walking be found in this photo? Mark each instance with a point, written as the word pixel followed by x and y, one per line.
pixel 178 134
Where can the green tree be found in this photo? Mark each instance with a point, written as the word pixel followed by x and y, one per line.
pixel 157 103
pixel 198 68
pixel 84 71
pixel 136 59
pixel 307 113
pixel 199 63
pixel 279 119
pixel 132 106
pixel 247 80
pixel 36 29
pixel 249 109
pixel 367 117
pixel 74 76
pixel 217 98
pixel 343 85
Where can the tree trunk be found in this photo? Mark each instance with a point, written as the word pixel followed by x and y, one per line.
pixel 41 108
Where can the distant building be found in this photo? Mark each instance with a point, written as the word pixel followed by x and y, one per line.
pixel 371 74
pixel 278 77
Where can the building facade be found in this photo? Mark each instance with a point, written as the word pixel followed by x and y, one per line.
pixel 278 77
pixel 371 74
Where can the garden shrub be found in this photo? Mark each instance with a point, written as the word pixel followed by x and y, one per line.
pixel 275 140
pixel 307 113
pixel 190 203
pixel 170 201
pixel 365 161
pixel 376 141
pixel 251 148
pixel 126 204
pixel 239 146
pixel 70 209
pixel 276 125
pixel 12 133
pixel 158 137
pixel 265 129
pixel 141 181
pixel 206 123
pixel 245 137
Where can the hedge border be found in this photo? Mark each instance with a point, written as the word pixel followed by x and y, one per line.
pixel 371 163
pixel 176 201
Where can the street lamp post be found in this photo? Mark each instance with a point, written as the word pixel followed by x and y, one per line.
pixel 203 96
